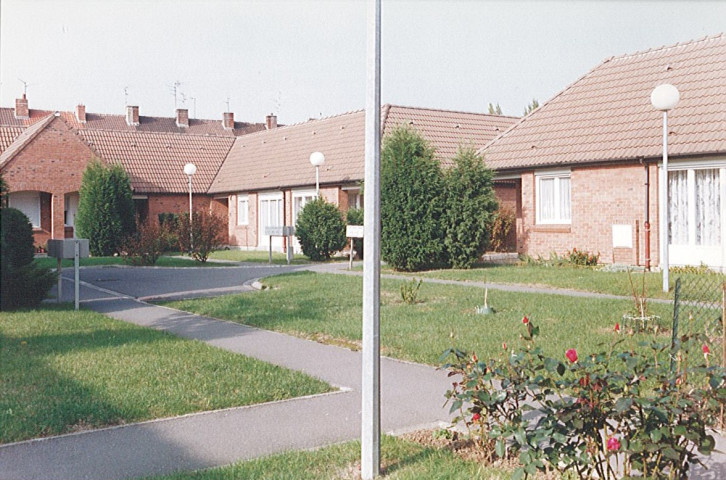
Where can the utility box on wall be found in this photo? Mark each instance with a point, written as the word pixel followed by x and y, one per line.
pixel 66 248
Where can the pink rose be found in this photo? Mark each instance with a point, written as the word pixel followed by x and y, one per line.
pixel 613 444
pixel 571 355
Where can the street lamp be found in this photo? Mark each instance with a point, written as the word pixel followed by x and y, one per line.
pixel 189 170
pixel 664 97
pixel 317 159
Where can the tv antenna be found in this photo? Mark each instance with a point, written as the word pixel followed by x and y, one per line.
pixel 126 96
pixel 175 90
pixel 228 99
pixel 25 86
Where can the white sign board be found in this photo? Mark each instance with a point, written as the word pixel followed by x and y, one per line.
pixel 354 231
pixel 622 236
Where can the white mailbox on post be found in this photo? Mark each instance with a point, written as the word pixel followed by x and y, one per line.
pixel 75 248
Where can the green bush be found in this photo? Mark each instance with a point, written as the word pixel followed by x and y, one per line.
pixel 470 207
pixel 208 233
pixel 412 202
pixel 106 209
pixel 355 216
pixel 320 230
pixel 22 283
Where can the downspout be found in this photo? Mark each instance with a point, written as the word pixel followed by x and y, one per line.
pixel 647 216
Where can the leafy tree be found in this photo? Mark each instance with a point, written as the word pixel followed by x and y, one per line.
pixel 532 106
pixel 208 233
pixel 495 110
pixel 4 192
pixel 470 207
pixel 412 202
pixel 320 229
pixel 106 210
pixel 22 282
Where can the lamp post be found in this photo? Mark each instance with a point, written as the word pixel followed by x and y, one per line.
pixel 189 170
pixel 317 159
pixel 664 97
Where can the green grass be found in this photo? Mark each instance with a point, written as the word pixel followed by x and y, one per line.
pixel 327 307
pixel 64 371
pixel 165 261
pixel 401 460
pixel 258 256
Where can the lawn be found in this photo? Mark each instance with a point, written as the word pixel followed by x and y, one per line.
pixel 400 459
pixel 327 308
pixel 258 256
pixel 569 277
pixel 165 261
pixel 65 371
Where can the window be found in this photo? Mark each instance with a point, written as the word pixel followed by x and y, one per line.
pixel 694 210
pixel 553 197
pixel 299 200
pixel 29 204
pixel 243 210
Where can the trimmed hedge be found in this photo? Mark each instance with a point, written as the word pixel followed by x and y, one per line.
pixel 320 229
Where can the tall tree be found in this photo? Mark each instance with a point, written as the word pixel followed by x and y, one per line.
pixel 106 212
pixel 470 207
pixel 412 202
pixel 532 106
pixel 495 110
pixel 4 192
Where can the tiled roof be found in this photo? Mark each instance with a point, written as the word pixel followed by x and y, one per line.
pixel 7 117
pixel 155 161
pixel 118 123
pixel 447 130
pixel 25 137
pixel 8 136
pixel 280 157
pixel 607 116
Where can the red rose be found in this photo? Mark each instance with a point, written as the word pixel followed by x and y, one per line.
pixel 474 358
pixel 475 417
pixel 706 350
pixel 617 328
pixel 525 320
pixel 504 345
pixel 571 355
pixel 613 444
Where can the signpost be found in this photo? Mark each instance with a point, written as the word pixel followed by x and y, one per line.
pixel 353 231
pixel 281 231
pixel 75 248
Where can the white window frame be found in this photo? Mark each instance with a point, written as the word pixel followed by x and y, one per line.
pixel 560 217
pixel 27 202
pixel 243 210
pixel 306 196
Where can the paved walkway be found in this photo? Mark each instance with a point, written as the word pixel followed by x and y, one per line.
pixel 412 395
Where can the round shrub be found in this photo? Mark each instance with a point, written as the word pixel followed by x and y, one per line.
pixel 320 230
pixel 22 283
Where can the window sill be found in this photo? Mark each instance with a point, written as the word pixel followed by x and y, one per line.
pixel 552 228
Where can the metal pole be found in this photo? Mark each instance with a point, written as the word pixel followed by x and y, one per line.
pixel 60 280
pixel 76 267
pixel 317 181
pixel 191 235
pixel 664 202
pixel 371 384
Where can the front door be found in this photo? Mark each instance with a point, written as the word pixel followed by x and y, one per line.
pixel 270 215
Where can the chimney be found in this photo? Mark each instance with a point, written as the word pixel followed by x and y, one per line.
pixel 182 117
pixel 21 107
pixel 81 113
pixel 132 115
pixel 271 121
pixel 228 120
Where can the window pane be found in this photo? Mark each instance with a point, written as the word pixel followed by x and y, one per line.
pixel 678 207
pixel 242 211
pixel 547 199
pixel 708 207
pixel 565 199
pixel 29 204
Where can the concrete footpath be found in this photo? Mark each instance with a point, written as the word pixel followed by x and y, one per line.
pixel 412 395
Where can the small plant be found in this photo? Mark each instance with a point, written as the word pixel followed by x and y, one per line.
pixel 146 245
pixel 583 258
pixel 207 234
pixel 639 319
pixel 409 291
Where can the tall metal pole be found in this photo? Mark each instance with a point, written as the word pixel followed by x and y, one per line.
pixel 664 230
pixel 371 384
pixel 191 235
pixel 317 181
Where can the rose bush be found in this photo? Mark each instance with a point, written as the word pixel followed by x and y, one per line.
pixel 607 414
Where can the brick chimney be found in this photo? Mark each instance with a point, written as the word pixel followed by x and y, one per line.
pixel 271 121
pixel 21 107
pixel 132 115
pixel 81 113
pixel 228 120
pixel 182 117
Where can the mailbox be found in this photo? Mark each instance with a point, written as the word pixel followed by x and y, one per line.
pixel 66 248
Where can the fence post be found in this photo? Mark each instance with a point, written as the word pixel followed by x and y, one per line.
pixel 723 340
pixel 674 336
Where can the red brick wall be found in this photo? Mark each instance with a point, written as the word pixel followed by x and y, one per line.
pixel 509 196
pixel 600 198
pixel 53 162
pixel 243 235
pixel 175 203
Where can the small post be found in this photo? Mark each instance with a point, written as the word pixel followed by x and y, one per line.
pixel 289 249
pixel 270 241
pixel 60 280
pixel 76 273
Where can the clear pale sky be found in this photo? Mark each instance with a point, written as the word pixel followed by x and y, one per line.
pixel 306 59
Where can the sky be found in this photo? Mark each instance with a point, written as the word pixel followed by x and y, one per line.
pixel 307 58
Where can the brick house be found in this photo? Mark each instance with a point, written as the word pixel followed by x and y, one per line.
pixel 43 155
pixel 583 169
pixel 267 178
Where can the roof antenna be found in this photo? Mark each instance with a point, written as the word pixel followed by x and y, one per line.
pixel 175 89
pixel 228 99
pixel 25 86
pixel 126 96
